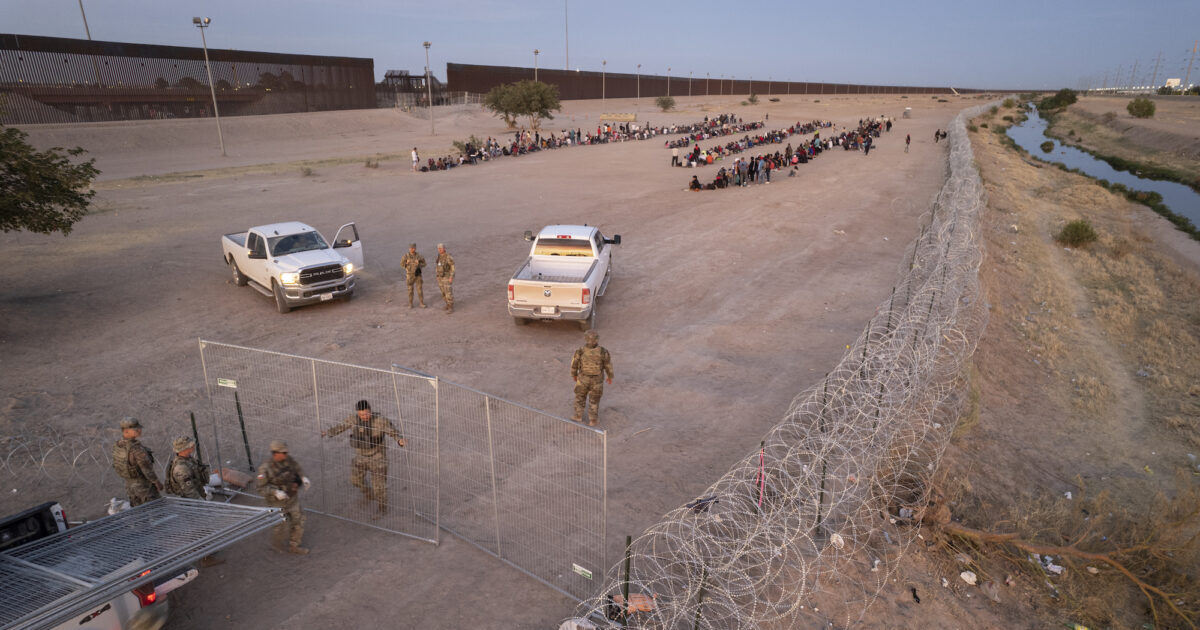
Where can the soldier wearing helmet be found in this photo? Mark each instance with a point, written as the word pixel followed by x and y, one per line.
pixel 135 464
pixel 186 476
pixel 589 365
pixel 279 480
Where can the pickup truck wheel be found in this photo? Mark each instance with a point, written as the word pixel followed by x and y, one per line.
pixel 238 278
pixel 520 321
pixel 346 297
pixel 281 304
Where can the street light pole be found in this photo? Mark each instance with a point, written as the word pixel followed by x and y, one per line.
pixel 689 83
pixel 638 101
pixel 706 92
pixel 668 80
pixel 429 89
pixel 603 78
pixel 535 54
pixel 85 26
pixel 202 23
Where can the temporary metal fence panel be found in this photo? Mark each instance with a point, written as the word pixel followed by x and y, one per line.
pixel 520 484
pixel 259 396
pixel 524 486
pixel 51 580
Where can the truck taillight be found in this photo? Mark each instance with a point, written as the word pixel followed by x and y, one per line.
pixel 146 594
pixel 511 294
pixel 587 295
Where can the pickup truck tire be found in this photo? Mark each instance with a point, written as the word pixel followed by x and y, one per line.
pixel 238 278
pixel 348 296
pixel 520 321
pixel 281 304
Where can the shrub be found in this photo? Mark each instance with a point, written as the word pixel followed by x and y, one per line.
pixel 942 100
pixel 1010 103
pixel 461 145
pixel 773 100
pixel 1071 133
pixel 905 96
pixel 1047 146
pixel 994 109
pixel 306 172
pixel 972 128
pixel 1061 99
pixel 1108 117
pixel 665 103
pixel 744 103
pixel 1007 118
pixel 1077 233
pixel 1140 107
pixel 371 163
pixel 753 98
pixel 816 100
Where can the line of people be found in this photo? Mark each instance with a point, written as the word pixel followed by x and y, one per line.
pixel 697 157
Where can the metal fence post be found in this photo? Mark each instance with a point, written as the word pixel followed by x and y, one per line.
pixel 404 451
pixel 245 440
pixel 437 457
pixel 320 441
pixel 487 408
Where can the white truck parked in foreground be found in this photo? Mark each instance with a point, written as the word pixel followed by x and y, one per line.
pixel 293 263
pixel 569 266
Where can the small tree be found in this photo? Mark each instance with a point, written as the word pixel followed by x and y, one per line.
pixel 41 191
pixel 753 99
pixel 665 103
pixel 536 100
pixel 499 101
pixel 1140 107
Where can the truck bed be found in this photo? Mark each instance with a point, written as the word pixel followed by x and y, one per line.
pixel 564 270
pixel 238 238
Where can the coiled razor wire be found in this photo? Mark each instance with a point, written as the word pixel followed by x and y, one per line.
pixel 810 527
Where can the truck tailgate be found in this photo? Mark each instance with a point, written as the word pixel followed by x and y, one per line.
pixel 526 293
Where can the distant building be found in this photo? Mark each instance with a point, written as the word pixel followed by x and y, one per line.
pixel 1173 83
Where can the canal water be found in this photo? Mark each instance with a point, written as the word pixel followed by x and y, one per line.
pixel 1030 134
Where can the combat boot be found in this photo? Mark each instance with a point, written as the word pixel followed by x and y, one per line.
pixel 298 550
pixel 593 420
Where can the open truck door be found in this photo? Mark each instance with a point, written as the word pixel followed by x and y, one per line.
pixel 347 243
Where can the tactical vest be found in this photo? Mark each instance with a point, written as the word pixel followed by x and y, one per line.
pixel 121 461
pixel 173 486
pixel 591 361
pixel 363 437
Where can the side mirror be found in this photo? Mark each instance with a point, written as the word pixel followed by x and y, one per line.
pixel 528 235
pixel 250 254
pixel 615 240
pixel 343 243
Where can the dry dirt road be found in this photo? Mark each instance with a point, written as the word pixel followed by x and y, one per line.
pixel 724 305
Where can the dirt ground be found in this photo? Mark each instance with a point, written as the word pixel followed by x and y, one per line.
pixel 723 306
pixel 1169 139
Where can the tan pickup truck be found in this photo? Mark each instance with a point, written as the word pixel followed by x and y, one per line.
pixel 568 267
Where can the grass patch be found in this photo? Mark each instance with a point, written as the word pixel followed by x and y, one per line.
pixel 1077 233
pixel 972 127
pixel 306 171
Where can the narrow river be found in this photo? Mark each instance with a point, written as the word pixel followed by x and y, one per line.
pixel 1030 134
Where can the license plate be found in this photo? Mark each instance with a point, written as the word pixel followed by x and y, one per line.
pixel 547 310
pixel 325 297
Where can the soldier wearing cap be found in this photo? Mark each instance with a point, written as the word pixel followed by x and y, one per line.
pixel 445 276
pixel 135 464
pixel 279 480
pixel 588 367
pixel 368 433
pixel 186 476
pixel 413 263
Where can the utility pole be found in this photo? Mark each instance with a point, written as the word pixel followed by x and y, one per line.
pixel 429 88
pixel 1132 74
pixel 535 54
pixel 668 80
pixel 85 26
pixel 1188 77
pixel 1154 79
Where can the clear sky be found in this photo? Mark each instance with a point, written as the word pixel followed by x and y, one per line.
pixel 1013 44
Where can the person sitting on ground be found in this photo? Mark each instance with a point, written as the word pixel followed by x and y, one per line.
pixel 695 184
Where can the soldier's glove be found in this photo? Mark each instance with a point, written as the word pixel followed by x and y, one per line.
pixel 281 495
pixel 159 485
pixel 207 493
pixel 306 482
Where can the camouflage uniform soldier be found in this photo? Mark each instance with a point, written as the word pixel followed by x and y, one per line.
pixel 279 480
pixel 186 477
pixel 135 464
pixel 412 263
pixel 367 433
pixel 588 367
pixel 445 276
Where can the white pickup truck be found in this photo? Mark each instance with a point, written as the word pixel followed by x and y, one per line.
pixel 569 266
pixel 293 263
